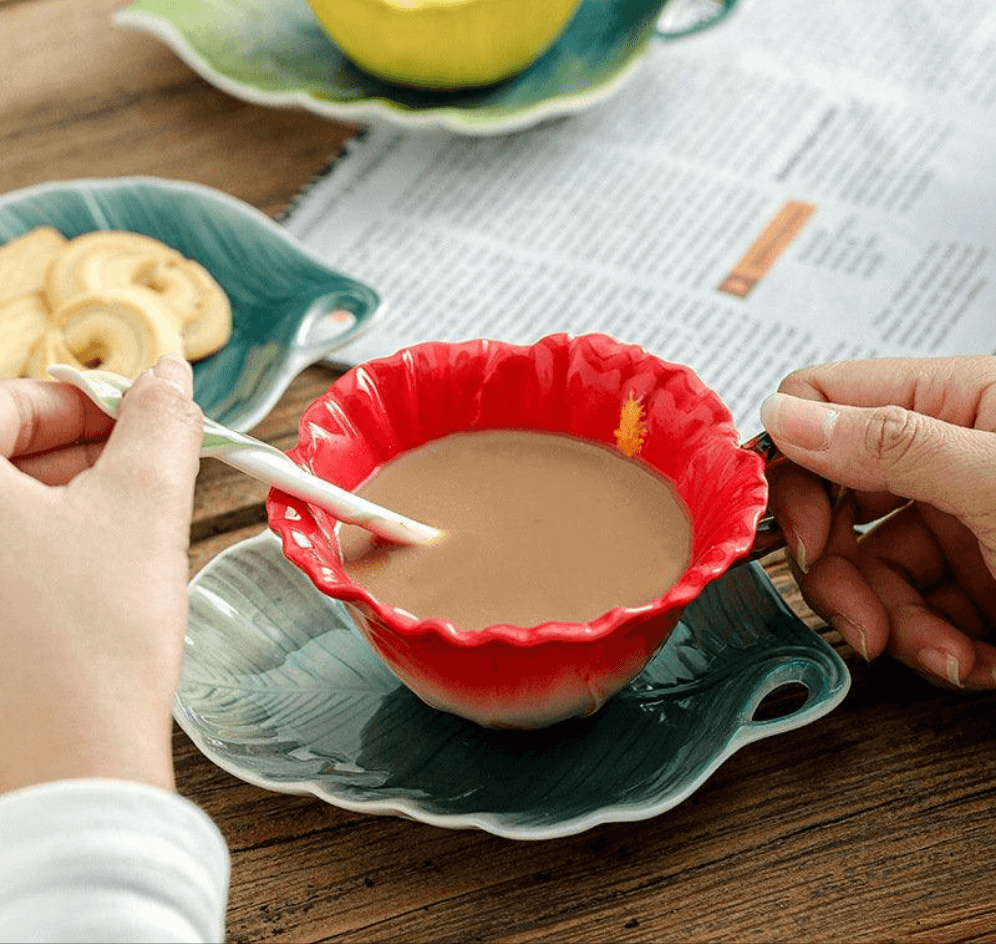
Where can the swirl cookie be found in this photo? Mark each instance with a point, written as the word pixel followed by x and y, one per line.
pixel 23 320
pixel 98 260
pixel 24 261
pixel 113 299
pixel 123 330
pixel 199 303
pixel 50 348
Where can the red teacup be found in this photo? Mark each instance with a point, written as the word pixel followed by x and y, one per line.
pixel 506 675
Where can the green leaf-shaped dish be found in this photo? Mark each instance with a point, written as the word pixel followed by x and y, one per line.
pixel 280 689
pixel 274 52
pixel 289 308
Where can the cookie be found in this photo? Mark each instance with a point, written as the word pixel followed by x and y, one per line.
pixel 200 304
pixel 101 259
pixel 120 330
pixel 23 320
pixel 24 261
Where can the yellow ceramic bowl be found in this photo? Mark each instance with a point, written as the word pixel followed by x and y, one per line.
pixel 444 44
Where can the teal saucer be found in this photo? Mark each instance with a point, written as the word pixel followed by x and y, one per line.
pixel 280 689
pixel 289 307
pixel 274 52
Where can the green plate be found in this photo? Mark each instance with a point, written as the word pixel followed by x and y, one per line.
pixel 289 308
pixel 274 52
pixel 280 689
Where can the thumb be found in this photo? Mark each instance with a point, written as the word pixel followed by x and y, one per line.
pixel 890 449
pixel 153 450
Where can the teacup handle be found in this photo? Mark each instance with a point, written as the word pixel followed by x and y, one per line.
pixel 769 536
pixel 692 16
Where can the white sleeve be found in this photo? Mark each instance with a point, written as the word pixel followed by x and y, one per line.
pixel 108 860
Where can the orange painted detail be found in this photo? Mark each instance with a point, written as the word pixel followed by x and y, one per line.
pixel 632 429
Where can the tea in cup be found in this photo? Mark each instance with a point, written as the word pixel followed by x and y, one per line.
pixel 588 490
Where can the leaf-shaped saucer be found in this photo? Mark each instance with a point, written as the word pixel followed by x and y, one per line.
pixel 280 689
pixel 289 308
pixel 274 52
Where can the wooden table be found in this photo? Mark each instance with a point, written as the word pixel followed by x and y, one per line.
pixel 873 824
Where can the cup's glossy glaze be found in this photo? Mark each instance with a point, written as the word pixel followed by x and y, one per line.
pixel 506 675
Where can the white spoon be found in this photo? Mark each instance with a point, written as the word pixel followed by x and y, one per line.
pixel 263 462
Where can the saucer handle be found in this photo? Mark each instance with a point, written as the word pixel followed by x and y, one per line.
pixel 333 321
pixel 818 675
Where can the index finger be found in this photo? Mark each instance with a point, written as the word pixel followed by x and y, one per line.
pixel 41 415
pixel 957 390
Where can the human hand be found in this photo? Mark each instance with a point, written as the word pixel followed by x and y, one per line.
pixel 93 576
pixel 914 439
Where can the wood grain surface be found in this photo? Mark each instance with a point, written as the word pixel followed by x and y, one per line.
pixel 873 824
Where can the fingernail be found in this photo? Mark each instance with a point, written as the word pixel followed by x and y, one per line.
pixel 807 424
pixel 796 548
pixel 853 633
pixel 175 384
pixel 843 497
pixel 171 364
pixel 942 664
pixel 174 360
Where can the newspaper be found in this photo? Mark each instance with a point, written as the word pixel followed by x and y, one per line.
pixel 803 183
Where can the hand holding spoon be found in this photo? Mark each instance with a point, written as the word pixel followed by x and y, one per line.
pixel 263 462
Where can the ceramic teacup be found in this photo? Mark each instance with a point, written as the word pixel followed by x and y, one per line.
pixel 449 45
pixel 506 675
pixel 443 44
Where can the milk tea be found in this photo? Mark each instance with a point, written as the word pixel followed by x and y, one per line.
pixel 538 527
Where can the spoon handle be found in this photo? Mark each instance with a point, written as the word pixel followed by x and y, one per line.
pixel 264 462
pixel 270 465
